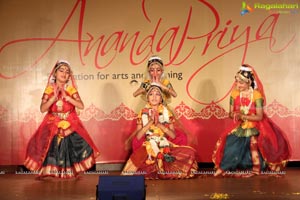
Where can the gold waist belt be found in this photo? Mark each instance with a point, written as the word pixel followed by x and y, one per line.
pixel 61 115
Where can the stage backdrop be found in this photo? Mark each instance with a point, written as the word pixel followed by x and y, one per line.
pixel 108 42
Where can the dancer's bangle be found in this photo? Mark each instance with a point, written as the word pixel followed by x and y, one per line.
pixel 244 118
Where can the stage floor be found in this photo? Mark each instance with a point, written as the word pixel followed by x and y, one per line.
pixel 24 186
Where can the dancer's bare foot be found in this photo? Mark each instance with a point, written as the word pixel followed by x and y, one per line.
pixel 248 175
pixel 218 172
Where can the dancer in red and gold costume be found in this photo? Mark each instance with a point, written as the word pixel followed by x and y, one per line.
pixel 61 146
pixel 155 74
pixel 154 154
pixel 252 144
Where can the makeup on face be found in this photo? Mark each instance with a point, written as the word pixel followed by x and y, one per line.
pixel 241 85
pixel 62 74
pixel 155 70
pixel 154 97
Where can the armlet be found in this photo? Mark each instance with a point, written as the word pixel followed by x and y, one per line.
pixel 139 121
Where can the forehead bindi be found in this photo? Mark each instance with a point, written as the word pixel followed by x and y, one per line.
pixel 155 91
pixel 155 66
pixel 64 68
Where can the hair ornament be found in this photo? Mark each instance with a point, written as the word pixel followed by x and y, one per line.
pixel 247 69
pixel 63 61
pixel 155 59
pixel 60 63
pixel 155 84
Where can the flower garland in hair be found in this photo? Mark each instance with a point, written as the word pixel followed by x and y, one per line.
pixel 249 69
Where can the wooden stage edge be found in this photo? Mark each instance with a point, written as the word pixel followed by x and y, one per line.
pixel 119 166
pixel 15 185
